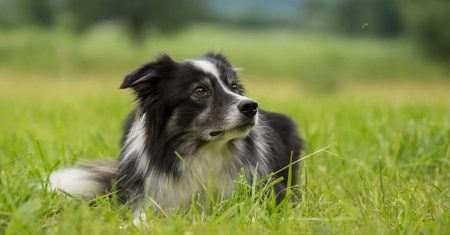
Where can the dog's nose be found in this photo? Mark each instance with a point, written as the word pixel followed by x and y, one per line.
pixel 248 107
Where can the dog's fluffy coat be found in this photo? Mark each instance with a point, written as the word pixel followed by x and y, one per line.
pixel 192 124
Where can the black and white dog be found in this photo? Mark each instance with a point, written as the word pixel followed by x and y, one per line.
pixel 192 124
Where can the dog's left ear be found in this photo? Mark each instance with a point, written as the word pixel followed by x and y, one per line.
pixel 148 73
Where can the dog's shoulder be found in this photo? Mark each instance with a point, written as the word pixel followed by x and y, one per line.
pixel 285 129
pixel 279 122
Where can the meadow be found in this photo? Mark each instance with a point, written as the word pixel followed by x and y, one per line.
pixel 374 113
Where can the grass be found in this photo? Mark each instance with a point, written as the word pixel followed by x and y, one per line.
pixel 392 175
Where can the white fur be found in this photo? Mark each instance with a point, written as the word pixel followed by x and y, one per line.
pixel 236 69
pixel 206 66
pixel 262 148
pixel 211 166
pixel 262 151
pixel 135 144
pixel 75 181
pixel 227 90
pixel 140 219
pixel 209 67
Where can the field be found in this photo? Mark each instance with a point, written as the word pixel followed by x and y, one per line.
pixel 376 118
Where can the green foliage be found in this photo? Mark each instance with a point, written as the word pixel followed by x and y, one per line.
pixel 27 12
pixel 138 16
pixel 320 60
pixel 425 21
pixel 378 17
pixel 356 17
pixel 428 23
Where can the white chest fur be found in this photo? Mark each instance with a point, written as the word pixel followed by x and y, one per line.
pixel 213 168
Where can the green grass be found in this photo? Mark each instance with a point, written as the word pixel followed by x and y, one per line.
pixel 60 103
pixel 392 177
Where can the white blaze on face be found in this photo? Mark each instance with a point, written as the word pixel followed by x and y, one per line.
pixel 233 115
pixel 209 67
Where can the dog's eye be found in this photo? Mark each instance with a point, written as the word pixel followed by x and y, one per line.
pixel 199 92
pixel 234 88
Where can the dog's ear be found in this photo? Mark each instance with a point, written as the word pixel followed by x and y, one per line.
pixel 148 73
pixel 218 57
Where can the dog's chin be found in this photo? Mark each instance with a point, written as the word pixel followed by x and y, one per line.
pixel 233 133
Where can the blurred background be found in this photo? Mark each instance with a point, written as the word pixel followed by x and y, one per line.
pixel 369 78
pixel 317 43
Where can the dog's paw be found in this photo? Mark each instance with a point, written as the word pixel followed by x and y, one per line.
pixel 141 222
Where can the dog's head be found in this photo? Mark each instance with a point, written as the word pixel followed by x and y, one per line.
pixel 201 98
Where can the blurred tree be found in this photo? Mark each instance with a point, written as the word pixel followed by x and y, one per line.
pixel 137 15
pixel 428 23
pixel 40 12
pixel 354 17
pixel 379 17
pixel 27 12
pixel 8 11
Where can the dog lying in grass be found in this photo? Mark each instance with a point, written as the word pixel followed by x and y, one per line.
pixel 192 128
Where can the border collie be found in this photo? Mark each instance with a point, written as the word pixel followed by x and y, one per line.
pixel 192 124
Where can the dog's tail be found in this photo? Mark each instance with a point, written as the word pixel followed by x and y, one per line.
pixel 86 180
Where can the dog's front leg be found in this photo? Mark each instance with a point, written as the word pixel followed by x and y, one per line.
pixel 139 217
pixel 131 191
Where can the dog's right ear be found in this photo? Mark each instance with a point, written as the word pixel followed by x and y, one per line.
pixel 148 73
pixel 145 72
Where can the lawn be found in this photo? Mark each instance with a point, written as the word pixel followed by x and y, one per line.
pixel 378 152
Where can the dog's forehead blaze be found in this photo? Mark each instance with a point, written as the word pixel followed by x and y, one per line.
pixel 206 66
pixel 217 70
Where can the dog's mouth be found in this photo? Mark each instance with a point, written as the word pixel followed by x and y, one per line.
pixel 215 133
pixel 241 128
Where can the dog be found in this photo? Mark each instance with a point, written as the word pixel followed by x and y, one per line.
pixel 192 124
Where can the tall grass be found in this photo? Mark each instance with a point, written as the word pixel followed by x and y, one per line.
pixel 392 175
